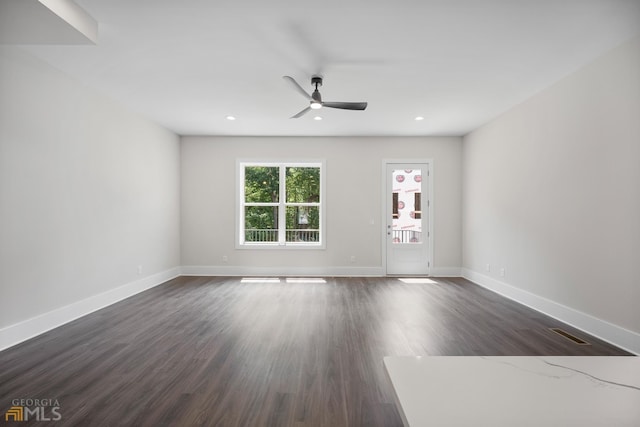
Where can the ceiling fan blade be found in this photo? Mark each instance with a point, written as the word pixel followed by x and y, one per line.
pixel 346 105
pixel 301 113
pixel 294 84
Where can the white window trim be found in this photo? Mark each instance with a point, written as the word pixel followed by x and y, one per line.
pixel 240 204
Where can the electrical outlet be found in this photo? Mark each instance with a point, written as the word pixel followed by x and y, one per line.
pixel 225 258
pixel 353 259
pixel 502 272
pixel 487 267
pixel 139 270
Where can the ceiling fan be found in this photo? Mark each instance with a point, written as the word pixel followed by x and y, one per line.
pixel 315 99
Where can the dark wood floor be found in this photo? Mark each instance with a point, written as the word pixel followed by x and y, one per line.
pixel 215 351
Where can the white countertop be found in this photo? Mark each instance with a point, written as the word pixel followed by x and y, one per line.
pixel 516 391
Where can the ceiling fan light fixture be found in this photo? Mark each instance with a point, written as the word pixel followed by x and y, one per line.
pixel 315 98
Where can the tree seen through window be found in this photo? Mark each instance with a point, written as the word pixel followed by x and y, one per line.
pixel 282 194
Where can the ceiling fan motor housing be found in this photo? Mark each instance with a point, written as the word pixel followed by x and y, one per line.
pixel 317 98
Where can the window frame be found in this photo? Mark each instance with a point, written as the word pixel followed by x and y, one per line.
pixel 282 204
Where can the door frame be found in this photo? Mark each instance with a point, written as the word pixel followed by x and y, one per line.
pixel 429 201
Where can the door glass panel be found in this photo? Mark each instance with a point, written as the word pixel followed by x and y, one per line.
pixel 417 213
pixel 395 205
pixel 407 206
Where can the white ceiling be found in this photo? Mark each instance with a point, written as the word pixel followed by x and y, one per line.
pixel 459 63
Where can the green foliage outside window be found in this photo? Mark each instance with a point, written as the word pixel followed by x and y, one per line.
pixel 301 186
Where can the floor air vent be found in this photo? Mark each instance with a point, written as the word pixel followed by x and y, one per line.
pixel 568 336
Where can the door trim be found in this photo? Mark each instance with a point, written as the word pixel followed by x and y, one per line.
pixel 430 204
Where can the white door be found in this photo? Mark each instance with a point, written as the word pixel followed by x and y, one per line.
pixel 407 218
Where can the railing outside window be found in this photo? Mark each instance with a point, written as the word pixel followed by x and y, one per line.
pixel 270 235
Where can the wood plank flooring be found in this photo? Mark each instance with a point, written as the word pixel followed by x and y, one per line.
pixel 218 352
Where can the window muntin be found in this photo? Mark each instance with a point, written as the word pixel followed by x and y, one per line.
pixel 280 204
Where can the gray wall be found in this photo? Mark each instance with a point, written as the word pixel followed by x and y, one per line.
pixel 552 193
pixel 353 174
pixel 88 191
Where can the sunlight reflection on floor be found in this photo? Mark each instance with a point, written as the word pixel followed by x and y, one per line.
pixel 417 280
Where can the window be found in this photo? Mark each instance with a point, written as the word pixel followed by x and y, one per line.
pixel 280 204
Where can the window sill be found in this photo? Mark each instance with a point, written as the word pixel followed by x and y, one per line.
pixel 278 247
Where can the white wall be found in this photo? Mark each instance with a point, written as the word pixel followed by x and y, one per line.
pixel 552 194
pixel 208 202
pixel 88 191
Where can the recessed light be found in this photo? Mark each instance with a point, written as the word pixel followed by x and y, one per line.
pixel 230 118
pixel 417 119
pixel 317 118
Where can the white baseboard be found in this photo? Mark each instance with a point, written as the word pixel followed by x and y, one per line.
pixel 214 270
pixel 446 272
pixel 614 334
pixel 205 270
pixel 22 331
